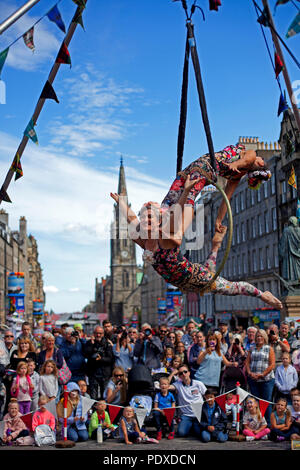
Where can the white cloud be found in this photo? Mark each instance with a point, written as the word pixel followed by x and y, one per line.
pixel 51 289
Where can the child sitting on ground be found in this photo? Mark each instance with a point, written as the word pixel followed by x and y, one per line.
pixel 255 425
pixel 129 430
pixel 14 426
pixel 83 388
pixel 231 407
pixel 42 415
pixel 163 399
pixel 100 417
pixel 280 421
pixel 213 420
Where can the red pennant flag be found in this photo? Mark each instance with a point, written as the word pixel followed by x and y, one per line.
pixel 263 405
pixel 63 56
pixel 113 412
pixel 278 64
pixel 214 4
pixel 27 420
pixel 169 412
pixel 221 401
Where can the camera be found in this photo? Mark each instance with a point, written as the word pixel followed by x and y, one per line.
pixel 119 382
pixel 75 334
pixel 236 341
pixel 272 333
pixel 147 332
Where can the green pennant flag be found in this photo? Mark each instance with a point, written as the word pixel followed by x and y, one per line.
pixel 17 167
pixel 78 19
pixel 294 27
pixel 3 56
pixel 30 132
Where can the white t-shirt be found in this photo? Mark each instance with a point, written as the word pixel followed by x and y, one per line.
pixel 187 394
pixel 253 421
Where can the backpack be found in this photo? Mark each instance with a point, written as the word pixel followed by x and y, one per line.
pixel 44 436
pixel 64 374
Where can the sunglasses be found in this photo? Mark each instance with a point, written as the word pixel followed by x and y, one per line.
pixel 119 375
pixel 8 336
pixel 183 372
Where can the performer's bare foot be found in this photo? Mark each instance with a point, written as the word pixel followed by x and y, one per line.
pixel 270 299
pixel 218 238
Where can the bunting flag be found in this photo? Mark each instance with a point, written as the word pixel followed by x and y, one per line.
pixel 63 56
pixel 278 64
pixel 113 412
pixel 3 56
pixel 264 18
pixel 78 19
pixel 55 16
pixel 4 196
pixel 214 4
pixel 242 394
pixel 294 27
pixel 87 404
pixel 263 405
pixel 292 178
pixel 197 409
pixel 221 401
pixel 27 420
pixel 169 413
pixel 48 92
pixel 28 39
pixel 140 414
pixel 80 3
pixel 30 132
pixel 283 106
pixel 17 167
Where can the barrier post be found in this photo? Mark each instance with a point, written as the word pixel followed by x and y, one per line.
pixel 238 412
pixel 65 412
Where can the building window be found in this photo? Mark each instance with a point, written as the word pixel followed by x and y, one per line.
pixel 236 204
pixel 233 266
pixel 283 192
pixel 125 279
pixel 274 219
pixel 239 267
pixel 254 260
pixel 273 185
pixel 265 189
pixel 252 193
pixel 260 225
pixel 276 259
pixel 243 232
pixel 259 195
pixel 266 222
pixel 268 258
pixel 245 264
pixel 253 227
pixel 237 231
pixel 261 259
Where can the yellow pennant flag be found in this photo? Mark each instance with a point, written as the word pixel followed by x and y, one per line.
pixel 292 178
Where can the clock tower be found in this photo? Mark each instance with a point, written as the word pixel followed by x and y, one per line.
pixel 125 292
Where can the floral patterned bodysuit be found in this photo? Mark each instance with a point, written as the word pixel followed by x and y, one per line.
pixel 227 155
pixel 191 277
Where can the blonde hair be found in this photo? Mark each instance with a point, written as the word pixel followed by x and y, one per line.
pixel 263 334
pixel 28 341
pixel 13 401
pixel 53 363
pixel 218 340
pixel 20 365
pixel 258 412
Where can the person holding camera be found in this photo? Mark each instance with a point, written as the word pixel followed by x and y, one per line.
pixel 72 350
pixel 280 345
pixel 123 350
pixel 236 354
pixel 100 361
pixel 148 348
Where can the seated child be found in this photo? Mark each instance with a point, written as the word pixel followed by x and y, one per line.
pixel 42 415
pixel 14 426
pixel 100 417
pixel 83 388
pixel 255 425
pixel 280 421
pixel 213 420
pixel 129 430
pixel 286 377
pixel 295 413
pixel 231 407
pixel 163 399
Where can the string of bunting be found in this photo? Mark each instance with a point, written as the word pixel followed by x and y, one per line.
pixel 63 57
pixel 113 410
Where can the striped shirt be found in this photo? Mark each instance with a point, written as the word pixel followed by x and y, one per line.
pixel 259 362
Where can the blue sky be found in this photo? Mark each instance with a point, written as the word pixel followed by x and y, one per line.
pixel 122 96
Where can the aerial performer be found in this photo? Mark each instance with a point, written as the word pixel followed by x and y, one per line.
pixel 232 163
pixel 160 238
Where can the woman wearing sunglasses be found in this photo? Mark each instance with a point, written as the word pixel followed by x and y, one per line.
pixel 116 389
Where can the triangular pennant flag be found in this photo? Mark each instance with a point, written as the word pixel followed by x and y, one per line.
pixel 242 394
pixel 78 19
pixel 140 415
pixel 264 18
pixel 55 16
pixel 278 64
pixel 17 167
pixel 3 56
pixel 27 419
pixel 214 4
pixel 80 3
pixel 30 132
pixel 221 401
pixel 51 406
pixel 283 106
pixel 63 56
pixel 28 39
pixel 87 404
pixel 294 27
pixel 197 409
pixel 48 92
pixel 113 412
pixel 263 405
pixel 4 196
pixel 292 179
pixel 169 413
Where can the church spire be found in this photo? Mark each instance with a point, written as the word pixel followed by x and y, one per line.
pixel 122 182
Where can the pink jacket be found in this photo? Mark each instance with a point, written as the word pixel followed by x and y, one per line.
pixel 43 417
pixel 16 425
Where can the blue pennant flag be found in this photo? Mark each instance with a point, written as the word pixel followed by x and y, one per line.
pixel 54 15
pixel 283 106
pixel 30 132
pixel 294 27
